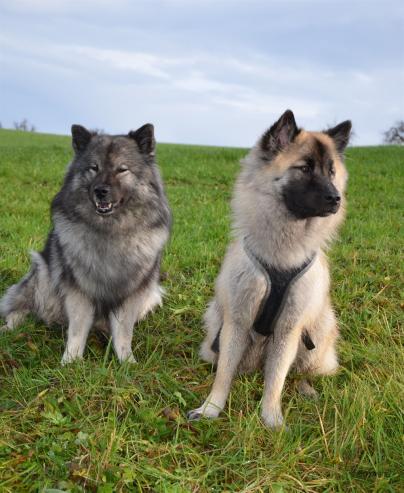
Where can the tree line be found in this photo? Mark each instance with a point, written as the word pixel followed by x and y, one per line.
pixel 394 135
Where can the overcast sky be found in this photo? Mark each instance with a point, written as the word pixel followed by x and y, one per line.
pixel 203 71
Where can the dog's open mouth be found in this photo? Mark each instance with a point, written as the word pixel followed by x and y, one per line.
pixel 104 208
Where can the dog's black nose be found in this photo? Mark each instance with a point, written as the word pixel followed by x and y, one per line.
pixel 101 191
pixel 333 198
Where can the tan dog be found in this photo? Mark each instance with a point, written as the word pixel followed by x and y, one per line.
pixel 272 307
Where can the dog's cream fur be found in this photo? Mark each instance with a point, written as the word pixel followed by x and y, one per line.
pixel 285 242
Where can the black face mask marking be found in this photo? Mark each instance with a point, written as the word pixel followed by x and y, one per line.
pixel 311 192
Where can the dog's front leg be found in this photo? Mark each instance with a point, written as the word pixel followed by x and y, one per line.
pixel 80 316
pixel 122 321
pixel 281 352
pixel 233 343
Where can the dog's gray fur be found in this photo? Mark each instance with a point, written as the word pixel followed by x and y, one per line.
pixel 284 229
pixel 101 262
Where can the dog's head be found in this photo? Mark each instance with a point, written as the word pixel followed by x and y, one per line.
pixel 109 172
pixel 304 169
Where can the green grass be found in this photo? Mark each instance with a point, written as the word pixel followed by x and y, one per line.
pixel 99 426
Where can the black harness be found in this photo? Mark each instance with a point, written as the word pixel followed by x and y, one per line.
pixel 280 282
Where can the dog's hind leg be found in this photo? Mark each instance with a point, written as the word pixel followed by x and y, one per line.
pixel 233 344
pixel 213 322
pixel 80 314
pixel 305 388
pixel 33 294
pixel 148 301
pixel 16 304
pixel 19 299
pixel 322 360
pixel 14 319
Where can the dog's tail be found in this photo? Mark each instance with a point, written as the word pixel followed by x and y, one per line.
pixel 213 321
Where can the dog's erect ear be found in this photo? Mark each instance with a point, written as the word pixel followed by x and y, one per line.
pixel 280 135
pixel 144 137
pixel 80 138
pixel 340 135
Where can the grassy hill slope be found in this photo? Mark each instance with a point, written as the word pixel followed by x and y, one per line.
pixel 99 426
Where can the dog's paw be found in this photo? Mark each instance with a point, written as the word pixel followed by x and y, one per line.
pixel 13 320
pixel 273 420
pixel 306 389
pixel 128 358
pixel 194 415
pixel 68 358
pixel 205 411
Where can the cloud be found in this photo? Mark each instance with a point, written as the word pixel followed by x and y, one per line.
pixel 201 75
pixel 59 6
pixel 142 63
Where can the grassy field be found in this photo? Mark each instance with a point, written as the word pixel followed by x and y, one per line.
pixel 98 426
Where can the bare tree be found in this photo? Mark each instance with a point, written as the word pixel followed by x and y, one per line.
pixel 395 134
pixel 24 126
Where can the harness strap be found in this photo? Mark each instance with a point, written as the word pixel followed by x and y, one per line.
pixel 279 283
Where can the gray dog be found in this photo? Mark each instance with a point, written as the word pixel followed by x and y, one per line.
pixel 272 307
pixel 101 262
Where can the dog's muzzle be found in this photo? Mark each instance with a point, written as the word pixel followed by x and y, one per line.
pixel 102 199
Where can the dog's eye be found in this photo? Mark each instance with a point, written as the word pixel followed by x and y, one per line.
pixel 93 167
pixel 305 169
pixel 122 169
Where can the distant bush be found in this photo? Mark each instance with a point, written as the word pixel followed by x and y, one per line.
pixel 24 126
pixel 395 134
